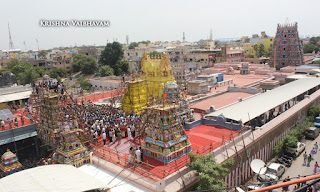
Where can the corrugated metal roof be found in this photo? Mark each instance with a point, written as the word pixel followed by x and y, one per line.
pixel 256 106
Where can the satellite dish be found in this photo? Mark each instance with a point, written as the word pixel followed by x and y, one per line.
pixel 257 166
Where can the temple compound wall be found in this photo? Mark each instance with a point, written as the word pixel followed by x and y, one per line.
pixel 259 144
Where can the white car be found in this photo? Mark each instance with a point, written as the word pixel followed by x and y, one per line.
pixel 258 186
pixel 271 173
pixel 298 149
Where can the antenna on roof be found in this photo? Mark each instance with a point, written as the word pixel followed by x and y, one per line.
pixel 286 22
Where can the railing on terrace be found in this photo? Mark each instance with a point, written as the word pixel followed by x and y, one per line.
pixel 155 173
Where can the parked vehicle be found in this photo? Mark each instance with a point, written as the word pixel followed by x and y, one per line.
pixel 285 161
pixel 296 151
pixel 258 186
pixel 312 133
pixel 271 173
pixel 317 122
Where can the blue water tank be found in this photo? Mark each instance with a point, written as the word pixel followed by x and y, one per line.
pixel 220 77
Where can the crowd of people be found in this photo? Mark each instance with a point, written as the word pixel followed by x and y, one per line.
pixel 106 124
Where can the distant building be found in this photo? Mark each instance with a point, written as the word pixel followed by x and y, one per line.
pixel 266 41
pixel 287 47
pixel 62 62
pixel 197 87
pixel 234 55
pixel 90 51
pixel 4 62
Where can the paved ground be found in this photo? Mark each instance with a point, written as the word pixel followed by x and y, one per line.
pixel 297 167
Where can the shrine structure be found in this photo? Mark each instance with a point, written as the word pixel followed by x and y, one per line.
pixel 70 150
pixel 9 163
pixel 166 139
pixel 156 74
pixel 59 128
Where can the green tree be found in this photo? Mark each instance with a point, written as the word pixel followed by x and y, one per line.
pixel 42 54
pixel 315 41
pixel 314 111
pixel 105 71
pixel 12 63
pixel 84 83
pixel 211 173
pixel 85 64
pixel 121 67
pixel 40 71
pixel 259 50
pixel 111 55
pixel 133 45
pixel 309 48
pixel 21 68
pixel 30 75
pixel 57 72
pixel 282 146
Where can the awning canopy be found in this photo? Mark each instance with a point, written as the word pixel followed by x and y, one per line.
pixel 51 178
pixel 258 105
pixel 15 96
pixel 17 134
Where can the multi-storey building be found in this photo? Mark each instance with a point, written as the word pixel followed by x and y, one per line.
pixel 287 47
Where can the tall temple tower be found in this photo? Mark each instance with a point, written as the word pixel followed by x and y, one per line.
pixel 287 47
pixel 166 140
pixel 157 73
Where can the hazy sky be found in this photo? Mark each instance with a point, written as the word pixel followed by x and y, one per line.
pixel 150 20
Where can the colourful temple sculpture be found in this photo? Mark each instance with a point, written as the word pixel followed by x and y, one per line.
pixel 156 74
pixel 60 130
pixel 70 150
pixel 174 96
pixel 287 48
pixel 50 119
pixel 166 140
pixel 9 163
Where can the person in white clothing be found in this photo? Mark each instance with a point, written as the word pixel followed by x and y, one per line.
pixel 129 134
pixel 138 155
pixel 104 137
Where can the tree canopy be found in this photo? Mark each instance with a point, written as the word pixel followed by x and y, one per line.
pixel 12 63
pixel 112 55
pixel 260 50
pixel 309 48
pixel 105 71
pixel 84 83
pixel 133 45
pixel 57 72
pixel 315 41
pixel 84 63
pixel 210 172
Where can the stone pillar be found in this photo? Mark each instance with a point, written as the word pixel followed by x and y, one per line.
pixel 36 145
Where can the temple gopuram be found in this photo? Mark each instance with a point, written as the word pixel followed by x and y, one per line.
pixel 9 163
pixel 156 74
pixel 166 140
pixel 58 128
pixel 70 150
pixel 287 48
